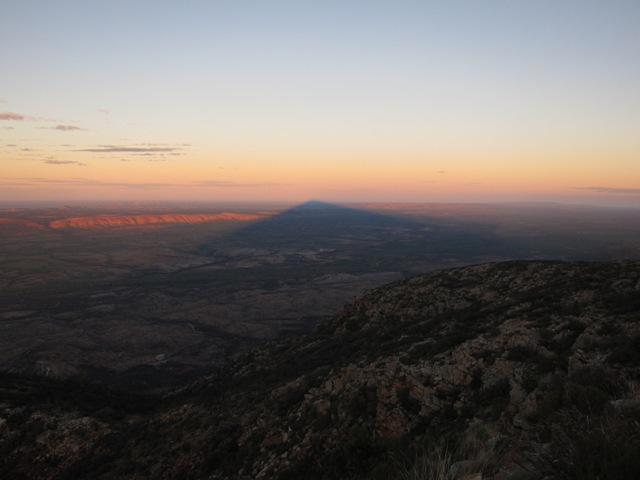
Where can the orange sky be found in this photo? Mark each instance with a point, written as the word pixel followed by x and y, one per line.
pixel 366 102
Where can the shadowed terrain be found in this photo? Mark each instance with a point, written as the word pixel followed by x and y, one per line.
pixel 147 305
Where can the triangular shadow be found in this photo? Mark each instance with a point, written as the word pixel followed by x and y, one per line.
pixel 314 223
pixel 358 240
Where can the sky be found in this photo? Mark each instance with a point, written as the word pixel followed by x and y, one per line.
pixel 400 101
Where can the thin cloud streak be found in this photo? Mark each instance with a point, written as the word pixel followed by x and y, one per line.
pixel 615 190
pixel 66 128
pixel 120 149
pixel 223 183
pixel 16 117
pixel 85 182
pixel 19 117
pixel 64 162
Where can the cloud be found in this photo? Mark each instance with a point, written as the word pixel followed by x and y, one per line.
pixel 76 182
pixel 85 182
pixel 18 117
pixel 66 128
pixel 120 149
pixel 2 100
pixel 152 152
pixel 64 162
pixel 12 116
pixel 103 110
pixel 215 183
pixel 614 190
pixel 223 183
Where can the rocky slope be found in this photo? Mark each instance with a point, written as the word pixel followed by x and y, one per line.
pixel 513 370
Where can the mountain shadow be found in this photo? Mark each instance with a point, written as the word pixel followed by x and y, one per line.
pixel 329 238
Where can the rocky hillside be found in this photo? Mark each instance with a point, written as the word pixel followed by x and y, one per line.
pixel 523 370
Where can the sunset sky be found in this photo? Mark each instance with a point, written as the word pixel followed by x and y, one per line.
pixel 451 101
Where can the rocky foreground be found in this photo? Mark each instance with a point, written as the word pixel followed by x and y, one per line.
pixel 523 370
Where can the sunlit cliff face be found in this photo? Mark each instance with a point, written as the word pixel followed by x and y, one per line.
pixel 140 220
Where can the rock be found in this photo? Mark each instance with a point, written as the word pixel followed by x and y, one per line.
pixel 626 405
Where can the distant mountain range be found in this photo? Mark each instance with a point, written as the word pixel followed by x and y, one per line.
pixel 115 220
pixel 524 369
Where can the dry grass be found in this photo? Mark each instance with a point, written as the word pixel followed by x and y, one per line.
pixel 467 458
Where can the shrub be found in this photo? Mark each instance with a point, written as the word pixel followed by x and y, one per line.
pixel 585 398
pixel 596 448
pixel 626 352
pixel 443 460
pixel 610 329
pixel 358 454
pixel 494 398
pixel 587 392
pixel 364 402
pixel 407 402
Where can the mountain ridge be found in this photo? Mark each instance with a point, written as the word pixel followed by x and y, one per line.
pixel 147 219
pixel 523 369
